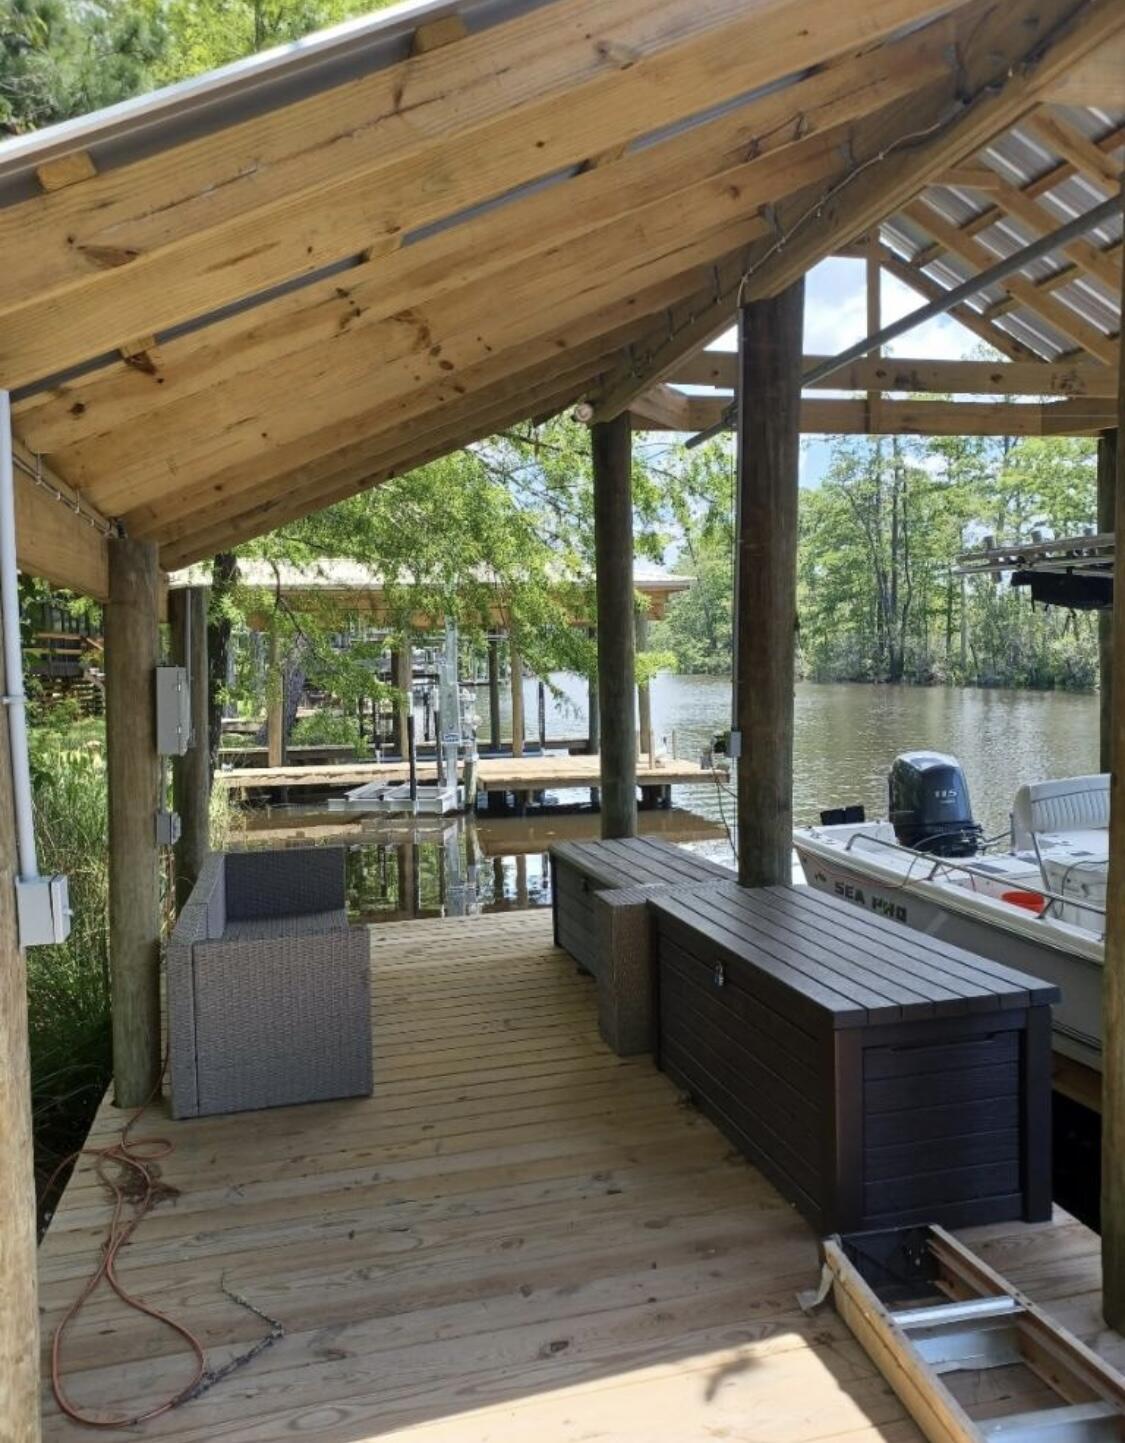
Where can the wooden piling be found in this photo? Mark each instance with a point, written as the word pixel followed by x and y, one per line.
pixel 593 722
pixel 494 738
pixel 402 677
pixel 1107 501
pixel 769 402
pixel 644 693
pixel 191 773
pixel 275 706
pixel 19 1313
pixel 613 546
pixel 133 775
pixel 1113 970
pixel 517 695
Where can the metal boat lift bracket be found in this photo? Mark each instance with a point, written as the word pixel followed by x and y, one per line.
pixel 924 1307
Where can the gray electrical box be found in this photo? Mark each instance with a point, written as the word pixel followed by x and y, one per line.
pixel 168 828
pixel 42 910
pixel 173 711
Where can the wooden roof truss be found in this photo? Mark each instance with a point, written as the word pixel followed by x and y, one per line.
pixel 237 302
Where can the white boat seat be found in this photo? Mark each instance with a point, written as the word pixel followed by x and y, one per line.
pixel 1072 805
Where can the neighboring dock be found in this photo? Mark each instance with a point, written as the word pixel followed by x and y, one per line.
pixel 495 774
pixel 519 1236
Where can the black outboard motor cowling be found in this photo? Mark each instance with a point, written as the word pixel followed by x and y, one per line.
pixel 929 805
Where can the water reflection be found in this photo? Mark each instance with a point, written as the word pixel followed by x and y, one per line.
pixel 846 737
pixel 455 867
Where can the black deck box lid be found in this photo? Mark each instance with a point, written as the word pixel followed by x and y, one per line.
pixel 850 969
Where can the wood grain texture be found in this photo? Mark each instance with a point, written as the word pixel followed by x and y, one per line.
pixel 133 774
pixel 19 1317
pixel 191 773
pixel 770 349
pixel 612 447
pixel 518 1236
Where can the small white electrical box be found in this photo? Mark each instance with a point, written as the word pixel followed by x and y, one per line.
pixel 173 711
pixel 168 828
pixel 43 910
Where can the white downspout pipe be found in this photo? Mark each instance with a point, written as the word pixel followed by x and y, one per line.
pixel 15 698
pixel 42 906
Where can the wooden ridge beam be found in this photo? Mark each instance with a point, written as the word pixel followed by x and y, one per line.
pixel 1010 54
pixel 752 148
pixel 824 417
pixel 179 233
pixel 902 373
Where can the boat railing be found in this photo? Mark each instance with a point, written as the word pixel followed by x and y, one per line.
pixel 941 865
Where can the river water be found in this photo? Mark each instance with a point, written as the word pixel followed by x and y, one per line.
pixel 846 738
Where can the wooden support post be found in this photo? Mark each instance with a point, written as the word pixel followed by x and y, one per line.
pixel 644 693
pixel 517 695
pixel 765 619
pixel 1113 970
pixel 275 707
pixel 133 775
pixel 191 773
pixel 400 665
pixel 494 737
pixel 19 1313
pixel 613 547
pixel 1107 501
pixel 593 713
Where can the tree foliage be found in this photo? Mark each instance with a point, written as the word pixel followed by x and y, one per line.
pixel 879 594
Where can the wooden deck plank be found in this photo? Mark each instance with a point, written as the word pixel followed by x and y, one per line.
pixel 519 1236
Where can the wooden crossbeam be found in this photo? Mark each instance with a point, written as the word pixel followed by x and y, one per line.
pixel 1088 158
pixel 1102 265
pixel 823 417
pixel 180 232
pixel 58 537
pixel 1012 53
pixel 894 373
pixel 1099 80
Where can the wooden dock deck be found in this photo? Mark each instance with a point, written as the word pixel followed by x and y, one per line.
pixel 505 774
pixel 519 1237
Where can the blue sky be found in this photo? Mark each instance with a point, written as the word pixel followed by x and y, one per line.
pixel 836 317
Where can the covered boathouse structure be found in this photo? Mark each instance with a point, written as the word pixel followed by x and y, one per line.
pixel 234 302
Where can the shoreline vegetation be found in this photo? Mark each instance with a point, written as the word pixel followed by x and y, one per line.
pixel 879 597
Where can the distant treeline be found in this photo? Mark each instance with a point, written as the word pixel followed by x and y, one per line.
pixel 879 596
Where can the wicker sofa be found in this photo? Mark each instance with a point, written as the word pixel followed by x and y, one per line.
pixel 268 986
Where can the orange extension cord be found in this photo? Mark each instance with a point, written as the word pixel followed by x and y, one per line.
pixel 131 1159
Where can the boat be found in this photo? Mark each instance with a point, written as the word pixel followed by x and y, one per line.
pixel 1033 899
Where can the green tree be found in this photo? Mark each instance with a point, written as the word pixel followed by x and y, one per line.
pixel 59 60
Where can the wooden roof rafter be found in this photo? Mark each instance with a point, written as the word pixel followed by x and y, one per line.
pixel 1007 73
pixel 511 225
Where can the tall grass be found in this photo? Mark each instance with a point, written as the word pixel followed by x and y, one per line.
pixel 68 986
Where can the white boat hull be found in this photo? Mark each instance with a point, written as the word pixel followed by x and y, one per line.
pixel 1070 961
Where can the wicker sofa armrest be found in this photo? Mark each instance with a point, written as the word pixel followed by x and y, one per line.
pixel 203 917
pixel 281 1021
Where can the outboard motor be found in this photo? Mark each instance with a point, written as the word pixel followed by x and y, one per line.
pixel 929 805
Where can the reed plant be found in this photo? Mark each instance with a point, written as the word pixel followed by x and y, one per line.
pixel 68 985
